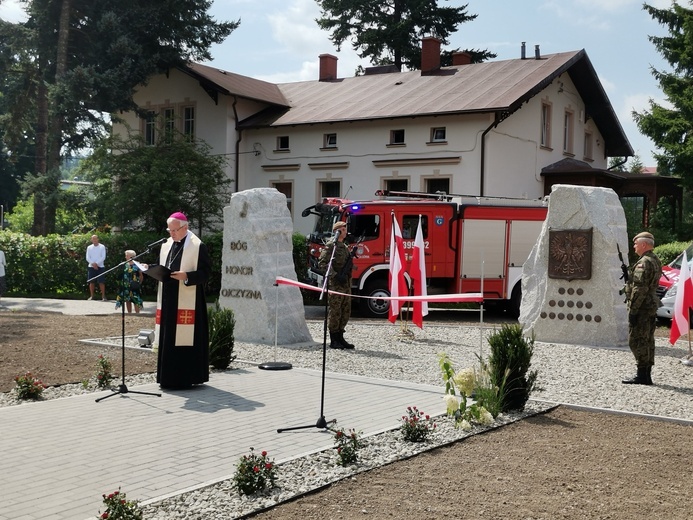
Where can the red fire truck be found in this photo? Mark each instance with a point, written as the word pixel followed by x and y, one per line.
pixel 470 242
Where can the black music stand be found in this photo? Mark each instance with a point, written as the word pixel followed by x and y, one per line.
pixel 122 387
pixel 321 422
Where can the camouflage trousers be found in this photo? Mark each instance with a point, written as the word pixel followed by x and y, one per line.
pixel 641 339
pixel 339 308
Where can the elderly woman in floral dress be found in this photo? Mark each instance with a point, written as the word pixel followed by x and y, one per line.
pixel 130 284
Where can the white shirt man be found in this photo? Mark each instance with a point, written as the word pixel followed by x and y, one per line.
pixel 96 256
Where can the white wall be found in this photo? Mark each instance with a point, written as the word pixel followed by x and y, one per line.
pixel 215 123
pixel 513 157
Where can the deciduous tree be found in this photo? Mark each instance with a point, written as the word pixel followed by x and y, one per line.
pixel 137 185
pixel 87 57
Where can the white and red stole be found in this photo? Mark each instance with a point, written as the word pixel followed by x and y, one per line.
pixel 187 294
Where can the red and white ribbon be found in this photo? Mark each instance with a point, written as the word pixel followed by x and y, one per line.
pixel 449 298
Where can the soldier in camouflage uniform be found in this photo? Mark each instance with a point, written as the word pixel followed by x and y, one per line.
pixel 339 307
pixel 642 301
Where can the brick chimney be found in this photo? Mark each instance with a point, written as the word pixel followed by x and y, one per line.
pixel 461 58
pixel 430 54
pixel 328 67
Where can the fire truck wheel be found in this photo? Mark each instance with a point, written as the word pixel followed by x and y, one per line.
pixel 374 306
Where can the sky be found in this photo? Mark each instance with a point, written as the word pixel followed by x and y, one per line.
pixel 279 41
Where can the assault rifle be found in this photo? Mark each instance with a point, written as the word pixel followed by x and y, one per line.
pixel 624 267
pixel 624 273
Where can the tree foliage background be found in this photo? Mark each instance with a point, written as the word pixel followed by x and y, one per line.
pixel 671 126
pixel 74 61
pixel 390 31
pixel 139 186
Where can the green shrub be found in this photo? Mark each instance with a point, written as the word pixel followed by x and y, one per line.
pixel 668 252
pixel 55 265
pixel 221 339
pixel 509 362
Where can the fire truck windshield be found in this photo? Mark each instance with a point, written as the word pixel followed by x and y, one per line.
pixel 324 223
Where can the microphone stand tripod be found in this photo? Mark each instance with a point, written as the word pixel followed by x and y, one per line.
pixel 321 422
pixel 122 387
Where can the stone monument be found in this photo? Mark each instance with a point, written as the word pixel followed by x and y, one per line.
pixel 571 280
pixel 258 248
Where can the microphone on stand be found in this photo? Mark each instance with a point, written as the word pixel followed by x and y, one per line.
pixel 158 242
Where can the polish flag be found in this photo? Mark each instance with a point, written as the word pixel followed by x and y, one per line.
pixel 417 272
pixel 398 285
pixel 682 303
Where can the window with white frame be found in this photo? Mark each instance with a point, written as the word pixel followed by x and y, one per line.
pixel 545 139
pixel 330 189
pixel 189 122
pixel 588 145
pixel 396 184
pixel 283 142
pixel 150 128
pixel 437 185
pixel 169 124
pixel 568 121
pixel 397 137
pixel 329 141
pixel 438 135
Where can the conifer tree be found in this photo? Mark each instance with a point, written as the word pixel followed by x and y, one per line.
pixel 671 126
pixel 390 31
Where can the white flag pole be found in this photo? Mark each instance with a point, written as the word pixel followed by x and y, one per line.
pixel 276 365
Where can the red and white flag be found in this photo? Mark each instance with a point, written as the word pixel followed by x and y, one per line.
pixel 682 304
pixel 417 272
pixel 398 285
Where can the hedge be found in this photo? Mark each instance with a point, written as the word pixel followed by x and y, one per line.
pixel 55 266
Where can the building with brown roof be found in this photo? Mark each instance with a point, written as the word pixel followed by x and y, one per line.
pixel 487 129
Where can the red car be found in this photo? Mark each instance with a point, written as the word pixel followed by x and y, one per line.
pixel 667 284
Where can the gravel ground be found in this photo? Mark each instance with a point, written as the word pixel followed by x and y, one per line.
pixel 567 374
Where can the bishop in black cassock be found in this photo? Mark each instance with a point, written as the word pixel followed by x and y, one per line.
pixel 181 313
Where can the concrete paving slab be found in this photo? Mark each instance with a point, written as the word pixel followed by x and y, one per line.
pixel 70 307
pixel 60 456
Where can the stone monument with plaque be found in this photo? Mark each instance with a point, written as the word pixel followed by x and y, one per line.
pixel 571 280
pixel 258 248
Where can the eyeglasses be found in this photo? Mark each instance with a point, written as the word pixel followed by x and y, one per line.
pixel 174 230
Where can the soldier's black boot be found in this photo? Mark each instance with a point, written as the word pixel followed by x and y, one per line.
pixel 334 340
pixel 648 376
pixel 639 379
pixel 344 342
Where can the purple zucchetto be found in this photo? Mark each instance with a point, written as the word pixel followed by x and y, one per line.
pixel 179 216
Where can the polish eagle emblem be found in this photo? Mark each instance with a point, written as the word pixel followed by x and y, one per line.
pixel 570 254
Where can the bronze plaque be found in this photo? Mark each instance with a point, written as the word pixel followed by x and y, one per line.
pixel 570 254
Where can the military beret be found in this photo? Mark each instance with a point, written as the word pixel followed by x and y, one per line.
pixel 644 234
pixel 338 225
